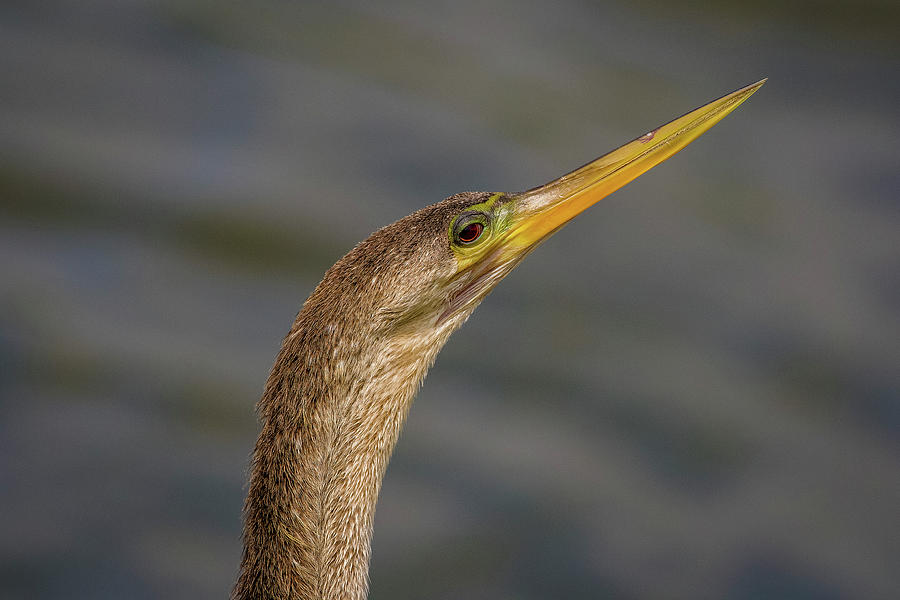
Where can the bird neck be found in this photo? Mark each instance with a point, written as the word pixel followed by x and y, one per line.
pixel 331 414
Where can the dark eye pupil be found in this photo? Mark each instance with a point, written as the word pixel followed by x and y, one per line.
pixel 470 232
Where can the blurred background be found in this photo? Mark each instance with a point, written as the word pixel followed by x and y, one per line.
pixel 691 392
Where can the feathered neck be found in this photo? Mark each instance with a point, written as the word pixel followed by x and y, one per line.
pixel 331 414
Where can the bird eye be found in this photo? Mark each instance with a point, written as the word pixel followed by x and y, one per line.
pixel 470 233
pixel 469 228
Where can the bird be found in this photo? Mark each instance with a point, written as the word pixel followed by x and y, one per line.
pixel 357 353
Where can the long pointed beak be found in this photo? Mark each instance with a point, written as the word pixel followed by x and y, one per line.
pixel 541 211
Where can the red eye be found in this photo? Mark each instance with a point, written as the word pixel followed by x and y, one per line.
pixel 470 233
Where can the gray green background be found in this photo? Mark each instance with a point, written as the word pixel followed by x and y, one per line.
pixel 691 392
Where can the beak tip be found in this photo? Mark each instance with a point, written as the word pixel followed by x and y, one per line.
pixel 755 86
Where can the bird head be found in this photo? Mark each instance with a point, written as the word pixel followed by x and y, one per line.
pixel 426 273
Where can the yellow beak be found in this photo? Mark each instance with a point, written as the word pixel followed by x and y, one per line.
pixel 541 211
